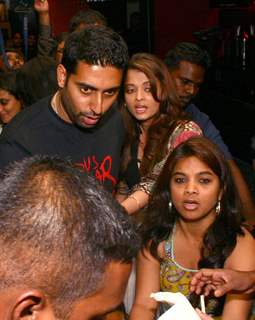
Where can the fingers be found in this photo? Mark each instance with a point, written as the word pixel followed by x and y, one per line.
pixel 203 316
pixel 208 280
pixel 222 290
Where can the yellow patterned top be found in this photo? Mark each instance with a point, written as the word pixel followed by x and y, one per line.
pixel 175 278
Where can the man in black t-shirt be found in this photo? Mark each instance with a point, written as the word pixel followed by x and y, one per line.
pixel 80 122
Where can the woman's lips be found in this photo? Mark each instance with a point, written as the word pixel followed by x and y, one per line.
pixel 140 109
pixel 190 205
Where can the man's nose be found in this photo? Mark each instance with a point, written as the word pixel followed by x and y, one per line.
pixel 97 103
pixel 191 89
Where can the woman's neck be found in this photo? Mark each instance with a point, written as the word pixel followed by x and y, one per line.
pixel 192 231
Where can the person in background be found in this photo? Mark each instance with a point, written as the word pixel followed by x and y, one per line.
pixel 50 213
pixel 60 40
pixel 37 79
pixel 10 100
pixel 32 46
pixel 84 18
pixel 17 41
pixel 155 126
pixel 15 60
pixel 47 45
pixel 187 64
pixel 193 221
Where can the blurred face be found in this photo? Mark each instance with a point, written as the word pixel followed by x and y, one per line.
pixel 17 39
pixel 188 78
pixel 59 52
pixel 87 94
pixel 15 60
pixel 9 106
pixel 195 190
pixel 32 40
pixel 138 97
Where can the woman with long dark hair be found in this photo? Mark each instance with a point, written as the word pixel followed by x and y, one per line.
pixel 10 99
pixel 193 221
pixel 155 125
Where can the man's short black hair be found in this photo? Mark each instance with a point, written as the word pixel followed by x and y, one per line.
pixel 187 51
pixel 95 45
pixel 87 17
pixel 59 229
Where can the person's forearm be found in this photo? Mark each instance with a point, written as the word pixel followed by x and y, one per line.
pixel 44 18
pixel 136 201
pixel 139 312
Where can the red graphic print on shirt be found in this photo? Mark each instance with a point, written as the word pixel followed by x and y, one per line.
pixel 102 171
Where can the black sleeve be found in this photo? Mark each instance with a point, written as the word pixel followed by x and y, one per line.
pixel 46 43
pixel 10 152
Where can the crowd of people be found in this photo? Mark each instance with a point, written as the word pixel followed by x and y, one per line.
pixel 114 184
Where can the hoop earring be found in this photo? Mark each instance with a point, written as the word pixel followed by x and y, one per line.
pixel 218 208
pixel 170 205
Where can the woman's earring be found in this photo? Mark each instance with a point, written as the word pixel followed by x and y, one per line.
pixel 170 205
pixel 217 209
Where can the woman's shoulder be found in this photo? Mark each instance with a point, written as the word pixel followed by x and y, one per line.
pixel 242 257
pixel 246 240
pixel 183 131
pixel 187 125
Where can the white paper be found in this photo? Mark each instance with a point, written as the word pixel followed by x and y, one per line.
pixel 181 308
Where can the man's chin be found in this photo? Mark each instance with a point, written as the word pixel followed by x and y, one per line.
pixel 85 126
pixel 184 102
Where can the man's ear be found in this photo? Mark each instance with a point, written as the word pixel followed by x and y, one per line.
pixel 61 75
pixel 32 305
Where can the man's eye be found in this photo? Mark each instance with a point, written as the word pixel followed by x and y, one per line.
pixel 184 81
pixel 85 90
pixel 110 93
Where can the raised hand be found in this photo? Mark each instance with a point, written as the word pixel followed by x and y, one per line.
pixel 41 6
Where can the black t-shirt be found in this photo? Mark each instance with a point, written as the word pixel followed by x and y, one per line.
pixel 38 130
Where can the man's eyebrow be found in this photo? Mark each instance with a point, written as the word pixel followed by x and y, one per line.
pixel 89 86
pixel 186 79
